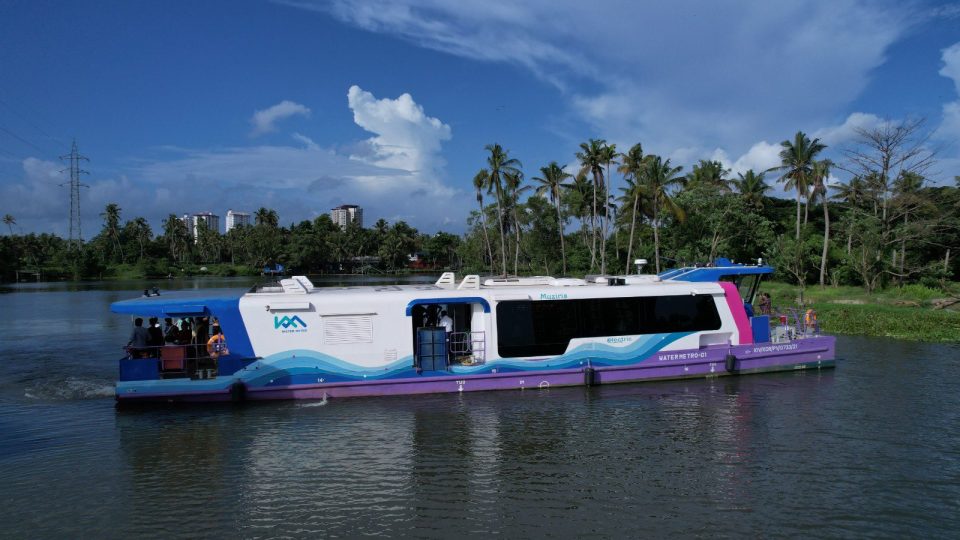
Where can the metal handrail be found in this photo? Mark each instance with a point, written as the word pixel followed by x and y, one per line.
pixel 154 351
pixel 469 343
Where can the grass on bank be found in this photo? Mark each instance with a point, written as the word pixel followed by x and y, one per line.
pixel 899 312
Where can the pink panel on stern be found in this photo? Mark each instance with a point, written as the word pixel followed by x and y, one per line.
pixel 739 314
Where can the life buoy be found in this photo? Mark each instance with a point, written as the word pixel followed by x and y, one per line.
pixel 810 318
pixel 217 345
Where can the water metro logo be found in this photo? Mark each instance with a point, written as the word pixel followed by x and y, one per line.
pixel 289 325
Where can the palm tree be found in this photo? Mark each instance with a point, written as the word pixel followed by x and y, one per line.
pixel 660 177
pixel 709 173
pixel 143 233
pixel 819 176
pixel 266 216
pixel 9 221
pixel 176 234
pixel 580 203
pixel 907 189
pixel 513 191
pixel 631 168
pixel 592 156
pixel 854 193
pixel 551 183
pixel 480 182
pixel 608 155
pixel 796 162
pixel 111 222
pixel 500 164
pixel 752 188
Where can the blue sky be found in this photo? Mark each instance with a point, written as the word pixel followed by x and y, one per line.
pixel 302 105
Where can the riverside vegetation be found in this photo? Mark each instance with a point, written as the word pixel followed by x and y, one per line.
pixel 884 232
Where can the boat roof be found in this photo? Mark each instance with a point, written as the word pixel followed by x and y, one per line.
pixel 198 303
pixel 446 289
pixel 715 271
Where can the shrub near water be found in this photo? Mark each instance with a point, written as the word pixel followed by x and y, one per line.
pixel 919 292
pixel 890 321
pixel 904 313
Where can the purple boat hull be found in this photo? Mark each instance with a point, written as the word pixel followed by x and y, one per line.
pixel 810 353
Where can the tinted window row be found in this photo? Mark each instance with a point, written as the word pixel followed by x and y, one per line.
pixel 545 328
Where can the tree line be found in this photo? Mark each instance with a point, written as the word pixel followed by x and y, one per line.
pixel 131 249
pixel 886 225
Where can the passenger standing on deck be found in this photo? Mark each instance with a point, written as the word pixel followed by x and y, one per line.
pixel 186 333
pixel 170 331
pixel 447 323
pixel 139 338
pixel 156 336
pixel 763 304
pixel 217 344
pixel 202 332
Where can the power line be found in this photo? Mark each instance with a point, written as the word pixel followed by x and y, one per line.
pixel 21 139
pixel 29 122
pixel 75 185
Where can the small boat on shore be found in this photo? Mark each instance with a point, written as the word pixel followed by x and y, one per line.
pixel 291 340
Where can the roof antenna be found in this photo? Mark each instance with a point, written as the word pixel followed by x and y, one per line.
pixel 640 263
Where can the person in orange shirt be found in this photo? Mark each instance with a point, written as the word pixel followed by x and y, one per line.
pixel 217 344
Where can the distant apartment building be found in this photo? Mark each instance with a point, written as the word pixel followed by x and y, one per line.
pixel 212 222
pixel 236 219
pixel 346 213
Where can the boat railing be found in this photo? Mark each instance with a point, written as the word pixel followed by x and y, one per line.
pixel 195 361
pixel 468 348
pixel 793 323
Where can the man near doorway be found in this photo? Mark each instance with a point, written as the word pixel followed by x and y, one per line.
pixel 447 324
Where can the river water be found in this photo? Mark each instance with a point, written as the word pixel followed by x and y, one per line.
pixel 871 448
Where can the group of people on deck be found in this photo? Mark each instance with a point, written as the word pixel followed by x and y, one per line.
pixel 146 342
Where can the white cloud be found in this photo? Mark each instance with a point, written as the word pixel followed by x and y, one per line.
pixel 391 175
pixel 951 64
pixel 673 75
pixel 405 138
pixel 264 121
pixel 760 157
pixel 847 131
pixel 949 129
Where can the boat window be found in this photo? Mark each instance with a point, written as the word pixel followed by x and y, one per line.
pixel 545 328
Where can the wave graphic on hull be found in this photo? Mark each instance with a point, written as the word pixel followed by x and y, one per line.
pixel 297 367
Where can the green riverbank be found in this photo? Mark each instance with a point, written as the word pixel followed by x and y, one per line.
pixel 903 313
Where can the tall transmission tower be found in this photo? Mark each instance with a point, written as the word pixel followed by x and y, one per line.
pixel 74 157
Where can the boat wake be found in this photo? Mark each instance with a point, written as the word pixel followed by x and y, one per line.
pixel 320 403
pixel 69 388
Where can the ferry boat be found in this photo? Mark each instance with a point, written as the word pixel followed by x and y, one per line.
pixel 292 340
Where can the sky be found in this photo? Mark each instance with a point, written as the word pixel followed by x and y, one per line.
pixel 303 105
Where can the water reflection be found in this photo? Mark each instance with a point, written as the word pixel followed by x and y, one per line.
pixel 867 449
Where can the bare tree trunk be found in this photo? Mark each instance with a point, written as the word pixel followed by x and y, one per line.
pixel 563 251
pixel 633 224
pixel 503 240
pixel 656 237
pixel 826 243
pixel 903 246
pixel 593 228
pixel 606 221
pixel 486 237
pixel 798 213
pixel 849 238
pixel 946 262
pixel 516 230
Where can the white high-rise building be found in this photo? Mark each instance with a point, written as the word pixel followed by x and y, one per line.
pixel 211 220
pixel 346 213
pixel 236 219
